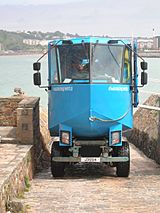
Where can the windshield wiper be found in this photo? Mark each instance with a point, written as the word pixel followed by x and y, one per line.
pixel 113 56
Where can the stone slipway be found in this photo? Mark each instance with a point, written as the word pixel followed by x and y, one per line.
pixel 16 169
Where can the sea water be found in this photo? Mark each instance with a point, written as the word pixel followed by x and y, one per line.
pixel 17 72
pixel 153 86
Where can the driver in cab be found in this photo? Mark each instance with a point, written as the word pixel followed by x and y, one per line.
pixel 80 70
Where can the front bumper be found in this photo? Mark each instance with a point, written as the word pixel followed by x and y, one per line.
pixel 90 159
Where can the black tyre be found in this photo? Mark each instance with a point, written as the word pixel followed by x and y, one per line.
pixel 57 168
pixel 123 168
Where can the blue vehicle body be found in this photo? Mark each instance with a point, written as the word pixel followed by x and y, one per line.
pixel 83 103
pixel 76 105
pixel 93 87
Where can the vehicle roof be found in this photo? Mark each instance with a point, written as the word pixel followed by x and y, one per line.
pixel 79 40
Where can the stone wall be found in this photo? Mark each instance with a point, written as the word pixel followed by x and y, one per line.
pixel 30 126
pixel 146 132
pixel 21 115
pixel 16 176
pixel 8 111
pixel 46 140
pixel 44 127
pixel 28 129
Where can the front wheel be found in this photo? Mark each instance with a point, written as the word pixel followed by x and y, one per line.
pixel 57 168
pixel 123 168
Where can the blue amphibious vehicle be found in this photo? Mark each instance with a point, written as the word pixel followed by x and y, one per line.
pixel 92 88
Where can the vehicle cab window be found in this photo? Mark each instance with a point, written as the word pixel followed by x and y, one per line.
pixel 73 63
pixel 107 63
pixel 90 63
pixel 127 66
pixel 53 67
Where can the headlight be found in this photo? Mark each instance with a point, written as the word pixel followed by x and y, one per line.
pixel 65 137
pixel 115 137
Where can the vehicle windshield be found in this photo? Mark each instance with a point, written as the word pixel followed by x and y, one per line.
pixel 106 63
pixel 90 63
pixel 73 63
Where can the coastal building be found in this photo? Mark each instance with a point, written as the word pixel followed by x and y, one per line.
pixel 44 42
pixel 156 42
pixel 32 42
pixel 145 43
pixel 35 42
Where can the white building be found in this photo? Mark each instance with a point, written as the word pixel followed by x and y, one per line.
pixel 34 42
pixel 31 41
pixel 145 44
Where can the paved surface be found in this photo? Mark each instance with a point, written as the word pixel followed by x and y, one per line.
pixel 96 189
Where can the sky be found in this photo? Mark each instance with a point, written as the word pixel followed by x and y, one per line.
pixel 85 17
pixel 33 2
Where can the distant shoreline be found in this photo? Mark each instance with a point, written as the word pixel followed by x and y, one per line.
pixel 150 54
pixel 142 54
pixel 21 53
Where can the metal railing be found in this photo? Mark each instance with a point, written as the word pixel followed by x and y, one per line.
pixel 149 107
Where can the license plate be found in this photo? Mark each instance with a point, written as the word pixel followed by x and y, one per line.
pixel 90 160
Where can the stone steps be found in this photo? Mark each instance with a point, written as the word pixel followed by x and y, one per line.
pixel 8 140
pixel 8 135
pixel 8 131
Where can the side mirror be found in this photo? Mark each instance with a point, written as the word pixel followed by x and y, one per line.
pixel 36 66
pixel 37 78
pixel 144 65
pixel 144 78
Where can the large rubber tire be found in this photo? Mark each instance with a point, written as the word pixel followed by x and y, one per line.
pixel 123 168
pixel 57 168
